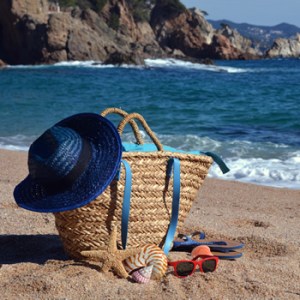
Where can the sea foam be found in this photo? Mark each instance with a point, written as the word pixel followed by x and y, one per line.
pixel 176 63
pixel 170 63
pixel 260 163
pixel 269 172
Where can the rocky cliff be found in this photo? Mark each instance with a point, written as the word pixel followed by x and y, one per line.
pixel 262 37
pixel 31 33
pixel 2 64
pixel 244 45
pixel 285 48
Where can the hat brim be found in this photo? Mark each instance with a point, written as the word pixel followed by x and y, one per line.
pixel 106 148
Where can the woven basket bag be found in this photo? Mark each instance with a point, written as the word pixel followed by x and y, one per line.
pixel 89 227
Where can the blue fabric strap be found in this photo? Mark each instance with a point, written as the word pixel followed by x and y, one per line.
pixel 219 161
pixel 174 164
pixel 126 203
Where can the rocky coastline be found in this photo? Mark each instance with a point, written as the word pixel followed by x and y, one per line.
pixel 33 32
pixel 285 48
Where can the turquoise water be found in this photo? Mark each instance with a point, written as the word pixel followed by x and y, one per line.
pixel 245 111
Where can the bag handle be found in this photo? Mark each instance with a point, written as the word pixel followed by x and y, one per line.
pixel 138 117
pixel 123 113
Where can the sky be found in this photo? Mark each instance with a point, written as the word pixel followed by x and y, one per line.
pixel 256 12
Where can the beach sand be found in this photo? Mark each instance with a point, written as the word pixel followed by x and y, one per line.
pixel 267 220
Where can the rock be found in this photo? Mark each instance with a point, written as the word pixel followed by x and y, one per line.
pixel 22 37
pixel 59 26
pixel 222 48
pixel 177 53
pixel 182 32
pixel 285 48
pixel 76 38
pixel 118 58
pixel 29 7
pixel 191 34
pixel 199 20
pixel 2 64
pixel 33 33
pixel 207 61
pixel 241 43
pixel 130 32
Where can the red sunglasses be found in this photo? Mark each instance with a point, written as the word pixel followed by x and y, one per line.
pixel 183 268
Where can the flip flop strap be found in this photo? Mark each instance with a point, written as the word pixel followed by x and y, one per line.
pixel 213 243
pixel 188 237
pixel 201 234
pixel 190 240
pixel 173 164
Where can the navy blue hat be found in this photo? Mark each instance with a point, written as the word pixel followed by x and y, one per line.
pixel 70 164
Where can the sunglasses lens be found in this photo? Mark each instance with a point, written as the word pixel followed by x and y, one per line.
pixel 184 268
pixel 209 265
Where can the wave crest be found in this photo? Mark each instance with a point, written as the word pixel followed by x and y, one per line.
pixel 260 163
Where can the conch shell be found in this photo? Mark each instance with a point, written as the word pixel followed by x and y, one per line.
pixel 142 275
pixel 150 255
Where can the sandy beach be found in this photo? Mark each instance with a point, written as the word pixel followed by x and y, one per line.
pixel 33 264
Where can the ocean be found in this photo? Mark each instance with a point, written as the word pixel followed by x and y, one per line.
pixel 245 111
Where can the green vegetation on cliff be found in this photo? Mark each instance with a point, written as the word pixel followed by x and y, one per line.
pixel 96 5
pixel 140 9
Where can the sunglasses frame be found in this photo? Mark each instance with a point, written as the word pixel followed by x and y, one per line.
pixel 195 262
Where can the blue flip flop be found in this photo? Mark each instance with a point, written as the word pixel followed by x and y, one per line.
pixel 224 255
pixel 227 255
pixel 189 242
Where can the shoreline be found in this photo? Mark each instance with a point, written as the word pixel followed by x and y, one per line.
pixel 290 187
pixel 266 219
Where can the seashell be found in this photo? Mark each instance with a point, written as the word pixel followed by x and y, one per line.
pixel 150 255
pixel 142 275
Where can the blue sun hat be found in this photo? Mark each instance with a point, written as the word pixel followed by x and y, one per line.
pixel 70 164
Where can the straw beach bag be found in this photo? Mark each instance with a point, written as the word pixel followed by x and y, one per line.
pixel 147 201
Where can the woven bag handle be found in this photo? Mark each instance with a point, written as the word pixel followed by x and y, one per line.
pixel 151 134
pixel 123 113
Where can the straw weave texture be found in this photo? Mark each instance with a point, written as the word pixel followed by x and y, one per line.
pixel 89 227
